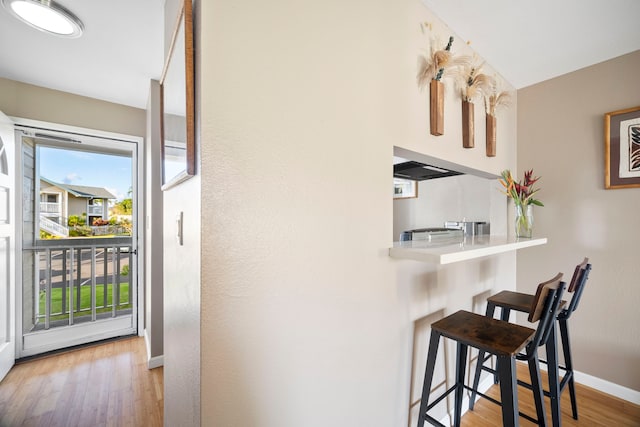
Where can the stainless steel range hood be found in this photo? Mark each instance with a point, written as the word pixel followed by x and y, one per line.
pixel 421 171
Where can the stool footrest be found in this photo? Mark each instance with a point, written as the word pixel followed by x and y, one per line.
pixel 563 383
pixel 442 396
pixel 433 421
pixel 430 406
pixel 497 402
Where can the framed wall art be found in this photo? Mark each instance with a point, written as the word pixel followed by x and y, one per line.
pixel 622 148
pixel 177 103
pixel 404 188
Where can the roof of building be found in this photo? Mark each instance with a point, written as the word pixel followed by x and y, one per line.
pixel 83 190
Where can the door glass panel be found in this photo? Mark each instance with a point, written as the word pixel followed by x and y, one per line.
pixel 4 167
pixel 4 292
pixel 79 267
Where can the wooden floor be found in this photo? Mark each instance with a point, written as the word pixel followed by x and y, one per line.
pixel 594 408
pixel 110 385
pixel 101 385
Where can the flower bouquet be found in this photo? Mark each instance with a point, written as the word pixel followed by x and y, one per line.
pixel 522 193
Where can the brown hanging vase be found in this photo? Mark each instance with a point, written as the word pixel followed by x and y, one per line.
pixel 437 107
pixel 467 124
pixel 491 135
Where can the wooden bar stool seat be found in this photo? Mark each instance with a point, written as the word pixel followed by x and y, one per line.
pixel 507 301
pixel 505 341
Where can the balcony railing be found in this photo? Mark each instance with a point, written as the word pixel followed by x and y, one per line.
pixel 47 207
pixel 53 227
pixel 95 210
pixel 82 280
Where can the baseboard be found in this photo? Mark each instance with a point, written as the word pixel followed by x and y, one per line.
pixel 152 362
pixel 155 362
pixel 581 378
pixel 613 389
pixel 608 387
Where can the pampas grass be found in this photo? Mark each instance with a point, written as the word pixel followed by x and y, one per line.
pixel 437 64
pixel 496 99
pixel 472 83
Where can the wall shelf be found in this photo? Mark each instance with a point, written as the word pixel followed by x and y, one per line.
pixel 450 252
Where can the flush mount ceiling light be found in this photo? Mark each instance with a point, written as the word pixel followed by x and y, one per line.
pixel 47 16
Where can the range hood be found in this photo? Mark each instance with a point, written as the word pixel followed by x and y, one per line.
pixel 420 171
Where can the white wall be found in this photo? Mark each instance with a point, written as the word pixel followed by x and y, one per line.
pixel 153 225
pixel 182 279
pixel 48 105
pixel 182 340
pixel 305 320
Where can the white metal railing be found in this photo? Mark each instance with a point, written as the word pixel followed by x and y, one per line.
pixel 104 230
pixel 82 280
pixel 95 210
pixel 53 227
pixel 48 207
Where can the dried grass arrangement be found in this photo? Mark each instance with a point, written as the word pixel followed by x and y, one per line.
pixel 494 100
pixel 472 83
pixel 431 70
pixel 437 64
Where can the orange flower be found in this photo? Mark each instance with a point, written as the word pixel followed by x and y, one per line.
pixel 521 192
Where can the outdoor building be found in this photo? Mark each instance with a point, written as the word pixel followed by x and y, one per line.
pixel 58 202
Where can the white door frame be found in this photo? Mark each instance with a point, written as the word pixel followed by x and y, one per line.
pixel 8 345
pixel 138 194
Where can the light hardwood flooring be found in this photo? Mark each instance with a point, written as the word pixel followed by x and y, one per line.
pixel 100 385
pixel 110 385
pixel 594 408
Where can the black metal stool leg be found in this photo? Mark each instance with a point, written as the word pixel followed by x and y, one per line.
pixel 461 361
pixel 508 390
pixel 554 383
pixel 480 362
pixel 566 349
pixel 434 341
pixel 536 386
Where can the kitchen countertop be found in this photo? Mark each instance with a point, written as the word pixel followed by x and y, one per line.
pixel 447 252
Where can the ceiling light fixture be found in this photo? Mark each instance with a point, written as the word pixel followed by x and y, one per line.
pixel 47 16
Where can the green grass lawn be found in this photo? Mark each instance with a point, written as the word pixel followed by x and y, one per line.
pixel 85 300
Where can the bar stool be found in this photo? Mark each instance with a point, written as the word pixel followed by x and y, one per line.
pixel 504 340
pixel 507 301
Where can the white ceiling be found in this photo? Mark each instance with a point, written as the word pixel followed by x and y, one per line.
pixel 531 41
pixel 122 47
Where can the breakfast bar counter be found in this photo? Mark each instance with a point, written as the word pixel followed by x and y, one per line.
pixel 447 252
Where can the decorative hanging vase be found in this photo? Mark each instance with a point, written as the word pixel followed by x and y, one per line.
pixel 491 135
pixel 467 124
pixel 436 115
pixel 524 221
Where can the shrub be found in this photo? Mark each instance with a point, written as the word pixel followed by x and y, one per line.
pixel 99 222
pixel 80 231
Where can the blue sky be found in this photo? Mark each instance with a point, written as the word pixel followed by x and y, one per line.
pixel 84 168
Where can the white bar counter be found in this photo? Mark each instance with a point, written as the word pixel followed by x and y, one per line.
pixel 447 252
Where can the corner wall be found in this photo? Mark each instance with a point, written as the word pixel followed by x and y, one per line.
pixel 305 318
pixel 153 226
pixel 561 136
pixel 181 272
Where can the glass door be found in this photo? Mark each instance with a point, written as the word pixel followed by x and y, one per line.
pixel 78 239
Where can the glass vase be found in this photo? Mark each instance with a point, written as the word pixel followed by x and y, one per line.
pixel 524 221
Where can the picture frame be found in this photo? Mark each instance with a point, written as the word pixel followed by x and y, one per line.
pixel 404 188
pixel 622 148
pixel 177 103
